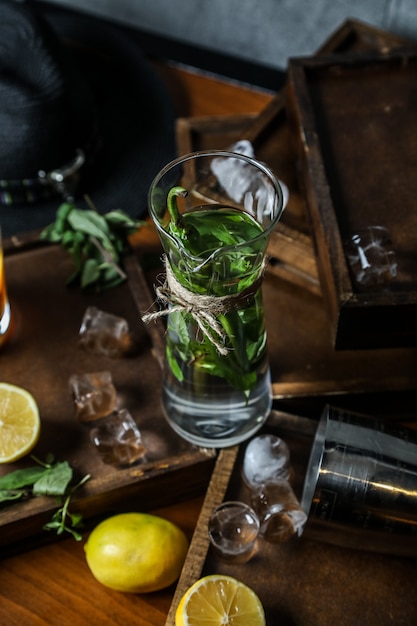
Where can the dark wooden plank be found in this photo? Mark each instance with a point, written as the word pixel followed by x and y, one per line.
pixel 200 541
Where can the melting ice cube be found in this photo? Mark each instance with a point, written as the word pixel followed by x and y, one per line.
pixel 247 185
pixel 94 395
pixel 233 529
pixel 118 439
pixel 104 334
pixel 279 511
pixel 371 259
pixel 266 459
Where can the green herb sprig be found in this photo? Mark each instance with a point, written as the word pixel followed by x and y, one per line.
pixel 176 224
pixel 95 242
pixel 198 235
pixel 47 478
pixel 65 521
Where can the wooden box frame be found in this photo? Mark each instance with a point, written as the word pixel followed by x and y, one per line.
pixel 353 120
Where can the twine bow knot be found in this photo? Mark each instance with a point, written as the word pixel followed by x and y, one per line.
pixel 203 309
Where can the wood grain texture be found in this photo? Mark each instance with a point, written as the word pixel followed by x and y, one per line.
pixel 53 586
pixel 200 543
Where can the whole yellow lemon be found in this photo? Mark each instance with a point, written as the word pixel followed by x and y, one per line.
pixel 136 552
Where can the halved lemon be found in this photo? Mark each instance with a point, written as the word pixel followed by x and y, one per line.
pixel 216 600
pixel 19 422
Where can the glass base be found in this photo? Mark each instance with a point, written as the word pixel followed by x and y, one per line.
pixel 218 422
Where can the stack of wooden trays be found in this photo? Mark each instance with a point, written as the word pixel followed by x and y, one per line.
pixel 303 581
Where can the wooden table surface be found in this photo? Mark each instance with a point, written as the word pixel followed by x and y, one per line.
pixel 52 585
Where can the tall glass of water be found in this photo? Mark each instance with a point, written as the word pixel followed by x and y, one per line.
pixel 214 213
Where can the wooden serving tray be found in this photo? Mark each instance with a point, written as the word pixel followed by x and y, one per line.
pixel 42 356
pixel 302 581
pixel 355 130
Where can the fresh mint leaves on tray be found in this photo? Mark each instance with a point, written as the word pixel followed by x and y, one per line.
pixel 49 478
pixel 95 242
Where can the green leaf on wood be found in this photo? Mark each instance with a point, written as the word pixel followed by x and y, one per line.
pixel 95 242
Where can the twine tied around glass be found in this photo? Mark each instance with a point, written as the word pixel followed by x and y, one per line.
pixel 203 309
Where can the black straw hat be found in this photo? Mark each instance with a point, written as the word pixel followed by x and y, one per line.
pixel 81 112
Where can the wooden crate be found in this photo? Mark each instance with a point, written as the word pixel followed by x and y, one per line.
pixel 355 129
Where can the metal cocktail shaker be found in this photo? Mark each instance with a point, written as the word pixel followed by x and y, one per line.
pixel 360 489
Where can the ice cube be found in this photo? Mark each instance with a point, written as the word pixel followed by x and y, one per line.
pixel 266 458
pixel 104 334
pixel 370 257
pixel 279 511
pixel 118 439
pixel 233 530
pixel 247 185
pixel 94 395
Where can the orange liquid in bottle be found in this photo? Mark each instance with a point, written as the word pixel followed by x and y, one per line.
pixel 5 314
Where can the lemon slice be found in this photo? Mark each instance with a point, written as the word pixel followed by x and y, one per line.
pixel 216 600
pixel 19 422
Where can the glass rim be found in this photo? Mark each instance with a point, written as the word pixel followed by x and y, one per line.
pixel 315 462
pixel 218 153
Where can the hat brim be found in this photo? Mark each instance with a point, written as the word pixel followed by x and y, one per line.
pixel 136 117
